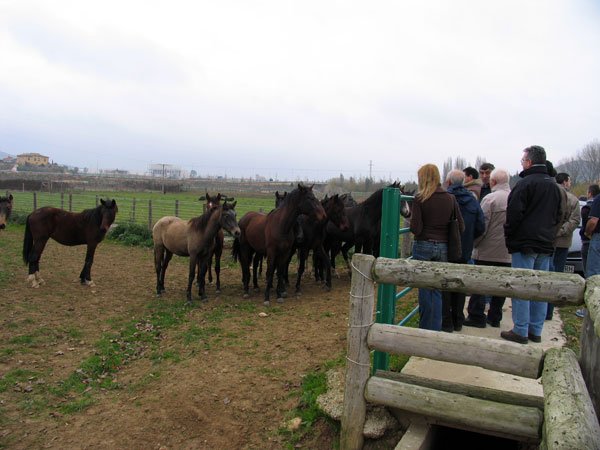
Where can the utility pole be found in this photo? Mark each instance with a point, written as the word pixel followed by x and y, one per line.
pixel 370 169
pixel 163 179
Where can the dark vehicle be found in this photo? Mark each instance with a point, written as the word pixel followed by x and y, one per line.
pixel 574 262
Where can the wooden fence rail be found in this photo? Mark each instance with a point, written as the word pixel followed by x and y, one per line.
pixel 566 398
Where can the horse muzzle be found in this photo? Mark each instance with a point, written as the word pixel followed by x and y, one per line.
pixel 2 226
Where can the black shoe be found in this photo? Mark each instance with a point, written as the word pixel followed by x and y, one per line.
pixel 510 335
pixel 457 327
pixel 447 330
pixel 472 323
pixel 534 338
pixel 493 324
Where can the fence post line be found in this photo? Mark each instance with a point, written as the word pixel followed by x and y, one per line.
pixel 34 201
pixel 133 211
pixel 360 318
pixel 386 293
pixel 96 201
pixel 62 200
pixel 149 215
pixel 176 208
pixel 70 202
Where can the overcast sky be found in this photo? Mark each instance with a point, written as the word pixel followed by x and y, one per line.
pixel 297 90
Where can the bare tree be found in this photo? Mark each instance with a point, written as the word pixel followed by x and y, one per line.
pixel 590 154
pixel 447 167
pixel 460 163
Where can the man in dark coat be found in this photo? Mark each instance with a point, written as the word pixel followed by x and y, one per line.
pixel 532 217
pixel 453 303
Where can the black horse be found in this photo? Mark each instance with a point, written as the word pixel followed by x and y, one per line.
pixel 67 228
pixel 314 235
pixel 365 227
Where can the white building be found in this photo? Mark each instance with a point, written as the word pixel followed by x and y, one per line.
pixel 165 170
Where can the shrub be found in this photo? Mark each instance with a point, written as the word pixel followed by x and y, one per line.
pixel 131 234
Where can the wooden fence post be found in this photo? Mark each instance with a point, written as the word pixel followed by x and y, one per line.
pixel 590 342
pixel 149 215
pixel 70 202
pixel 96 201
pixel 176 208
pixel 34 201
pixel 133 211
pixel 358 359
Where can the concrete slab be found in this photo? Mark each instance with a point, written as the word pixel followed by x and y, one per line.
pixel 552 336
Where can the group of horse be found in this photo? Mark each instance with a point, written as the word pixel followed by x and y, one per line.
pixel 299 223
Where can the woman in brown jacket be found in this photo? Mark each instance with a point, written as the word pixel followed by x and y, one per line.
pixel 432 211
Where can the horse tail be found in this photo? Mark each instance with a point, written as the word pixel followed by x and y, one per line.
pixel 235 252
pixel 27 242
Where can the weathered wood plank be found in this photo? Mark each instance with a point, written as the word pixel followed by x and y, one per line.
pixel 358 359
pixel 590 360
pixel 517 422
pixel 508 357
pixel 592 300
pixel 557 288
pixel 569 417
pixel 481 392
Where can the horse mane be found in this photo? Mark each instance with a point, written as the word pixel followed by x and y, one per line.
pixel 199 223
pixel 373 203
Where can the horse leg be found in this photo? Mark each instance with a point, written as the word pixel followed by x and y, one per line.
pixel 202 267
pixel 34 262
pixel 282 265
pixel 324 259
pixel 191 274
pixel 86 273
pixel 159 252
pixel 270 272
pixel 218 252
pixel 167 259
pixel 245 258
pixel 345 248
pixel 257 261
pixel 302 254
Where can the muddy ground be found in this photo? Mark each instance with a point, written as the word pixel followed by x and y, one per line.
pixel 214 375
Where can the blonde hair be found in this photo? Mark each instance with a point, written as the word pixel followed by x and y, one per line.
pixel 429 180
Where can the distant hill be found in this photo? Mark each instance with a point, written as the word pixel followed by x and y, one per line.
pixel 4 155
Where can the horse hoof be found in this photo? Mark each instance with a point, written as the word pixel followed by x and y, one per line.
pixel 280 300
pixel 205 300
pixel 246 295
pixel 218 291
pixel 298 293
pixel 328 288
pixel 267 303
pixel 158 294
pixel 256 288
pixel 90 283
pixel 284 294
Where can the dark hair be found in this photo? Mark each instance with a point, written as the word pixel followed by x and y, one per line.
pixel 562 177
pixel 594 189
pixel 536 154
pixel 487 166
pixel 470 171
pixel 550 168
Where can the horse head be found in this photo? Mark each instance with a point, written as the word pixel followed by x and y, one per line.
pixel 279 198
pixel 228 220
pixel 336 212
pixel 348 199
pixel 405 205
pixel 108 211
pixel 212 201
pixel 307 203
pixel 6 204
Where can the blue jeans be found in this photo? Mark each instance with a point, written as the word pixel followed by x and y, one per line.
pixel 592 266
pixel 557 264
pixel 430 300
pixel 528 316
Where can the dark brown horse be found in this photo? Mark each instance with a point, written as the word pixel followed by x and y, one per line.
pixel 273 235
pixel 67 228
pixel 365 227
pixel 6 205
pixel 314 236
pixel 194 238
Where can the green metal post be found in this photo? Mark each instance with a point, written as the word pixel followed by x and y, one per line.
pixel 386 293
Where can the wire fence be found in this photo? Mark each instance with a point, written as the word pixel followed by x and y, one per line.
pixel 142 211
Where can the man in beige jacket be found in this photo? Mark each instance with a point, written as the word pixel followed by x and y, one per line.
pixel 564 235
pixel 490 249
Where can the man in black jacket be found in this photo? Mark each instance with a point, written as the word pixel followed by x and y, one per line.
pixel 532 216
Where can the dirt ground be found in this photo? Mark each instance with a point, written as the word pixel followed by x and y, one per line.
pixel 221 376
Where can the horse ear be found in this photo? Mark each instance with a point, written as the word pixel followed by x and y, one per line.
pixel 114 203
pixel 218 197
pixel 232 206
pixel 207 197
pixel 102 201
pixel 10 198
